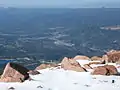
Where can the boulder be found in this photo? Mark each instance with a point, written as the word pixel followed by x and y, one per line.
pixel 71 61
pixel 94 58
pixel 9 79
pixel 71 64
pixel 44 66
pixel 105 70
pixel 77 69
pixel 112 70
pixel 113 56
pixel 80 57
pixel 14 73
pixel 100 70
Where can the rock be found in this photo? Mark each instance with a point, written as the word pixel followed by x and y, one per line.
pixel 112 70
pixel 71 61
pixel 118 62
pixel 113 56
pixel 11 88
pixel 14 73
pixel 71 64
pixel 105 70
pixel 65 62
pixel 100 70
pixel 44 66
pixel 94 58
pixel 87 66
pixel 80 57
pixel 34 72
pixel 77 69
pixel 10 79
pixel 65 59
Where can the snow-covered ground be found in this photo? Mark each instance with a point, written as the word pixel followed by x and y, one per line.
pixel 59 79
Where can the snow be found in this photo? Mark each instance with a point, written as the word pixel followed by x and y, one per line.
pixel 59 79
pixel 96 65
pixel 83 62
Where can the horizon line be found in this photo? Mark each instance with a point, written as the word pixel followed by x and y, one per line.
pixel 62 7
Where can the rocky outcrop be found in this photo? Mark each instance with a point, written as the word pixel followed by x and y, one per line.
pixel 100 70
pixel 113 56
pixel 105 70
pixel 112 70
pixel 44 66
pixel 80 57
pixel 71 64
pixel 14 73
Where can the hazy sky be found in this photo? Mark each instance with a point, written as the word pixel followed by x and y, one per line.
pixel 61 3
